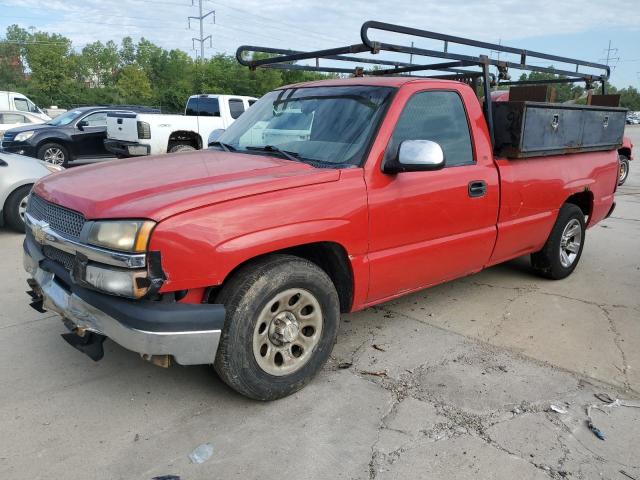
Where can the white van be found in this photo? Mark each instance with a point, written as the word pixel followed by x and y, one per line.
pixel 13 101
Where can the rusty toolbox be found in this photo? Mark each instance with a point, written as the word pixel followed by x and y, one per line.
pixel 530 129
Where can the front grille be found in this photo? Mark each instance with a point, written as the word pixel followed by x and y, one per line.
pixel 63 258
pixel 64 221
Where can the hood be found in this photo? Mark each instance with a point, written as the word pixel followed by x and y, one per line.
pixel 30 127
pixel 162 186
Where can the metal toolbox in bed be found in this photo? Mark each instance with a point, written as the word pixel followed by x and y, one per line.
pixel 530 129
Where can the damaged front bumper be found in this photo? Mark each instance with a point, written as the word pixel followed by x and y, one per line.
pixel 187 332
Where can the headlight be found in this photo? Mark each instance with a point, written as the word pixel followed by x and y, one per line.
pixel 51 167
pixel 24 136
pixel 123 235
pixel 126 283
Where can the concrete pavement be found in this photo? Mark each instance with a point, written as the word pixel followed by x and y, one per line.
pixel 458 385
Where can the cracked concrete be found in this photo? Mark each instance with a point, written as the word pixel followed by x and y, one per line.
pixel 465 374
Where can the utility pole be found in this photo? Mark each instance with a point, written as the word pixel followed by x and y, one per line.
pixel 200 19
pixel 411 54
pixel 610 51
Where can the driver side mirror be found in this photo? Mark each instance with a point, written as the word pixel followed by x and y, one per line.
pixel 82 124
pixel 416 156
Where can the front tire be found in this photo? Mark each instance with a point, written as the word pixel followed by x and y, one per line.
pixel 563 249
pixel 282 316
pixel 54 153
pixel 623 173
pixel 15 207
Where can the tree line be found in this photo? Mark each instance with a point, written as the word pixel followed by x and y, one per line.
pixel 45 67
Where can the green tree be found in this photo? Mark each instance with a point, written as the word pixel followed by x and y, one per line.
pixel 133 85
pixel 100 62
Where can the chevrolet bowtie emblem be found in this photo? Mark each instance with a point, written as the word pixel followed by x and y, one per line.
pixel 38 231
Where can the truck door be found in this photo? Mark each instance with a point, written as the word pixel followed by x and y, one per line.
pixel 431 226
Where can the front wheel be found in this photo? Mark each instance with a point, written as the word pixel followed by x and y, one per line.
pixel 54 153
pixel 282 316
pixel 16 207
pixel 561 253
pixel 623 173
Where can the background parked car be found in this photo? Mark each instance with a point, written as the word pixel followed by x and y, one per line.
pixel 78 133
pixel 17 176
pixel 11 119
pixel 16 102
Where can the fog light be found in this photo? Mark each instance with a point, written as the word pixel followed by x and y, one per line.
pixel 126 283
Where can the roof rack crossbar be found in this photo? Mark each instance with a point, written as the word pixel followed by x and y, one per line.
pixel 449 39
pixel 447 66
pixel 250 48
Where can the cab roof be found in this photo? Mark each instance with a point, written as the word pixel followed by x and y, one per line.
pixel 368 81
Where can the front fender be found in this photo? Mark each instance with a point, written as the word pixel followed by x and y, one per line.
pixel 199 248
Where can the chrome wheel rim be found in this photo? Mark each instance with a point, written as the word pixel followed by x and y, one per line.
pixel 624 168
pixel 53 155
pixel 570 243
pixel 287 332
pixel 22 207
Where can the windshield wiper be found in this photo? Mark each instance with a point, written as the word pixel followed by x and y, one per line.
pixel 283 153
pixel 225 146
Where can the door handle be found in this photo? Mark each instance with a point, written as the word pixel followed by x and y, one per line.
pixel 477 188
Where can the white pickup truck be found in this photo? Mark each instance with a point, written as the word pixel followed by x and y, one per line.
pixel 130 134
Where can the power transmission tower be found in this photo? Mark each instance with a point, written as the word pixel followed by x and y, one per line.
pixel 200 19
pixel 609 58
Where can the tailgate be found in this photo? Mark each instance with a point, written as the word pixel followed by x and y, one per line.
pixel 122 126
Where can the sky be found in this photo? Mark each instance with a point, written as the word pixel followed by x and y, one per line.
pixel 574 28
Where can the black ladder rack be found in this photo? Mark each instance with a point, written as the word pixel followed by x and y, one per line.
pixel 455 66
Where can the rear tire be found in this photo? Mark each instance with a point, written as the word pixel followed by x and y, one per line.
pixel 15 208
pixel 282 316
pixel 181 148
pixel 54 153
pixel 563 249
pixel 623 173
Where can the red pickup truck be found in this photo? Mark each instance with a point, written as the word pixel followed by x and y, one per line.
pixel 243 256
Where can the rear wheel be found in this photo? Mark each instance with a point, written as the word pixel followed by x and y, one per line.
pixel 623 173
pixel 54 153
pixel 282 315
pixel 561 253
pixel 15 208
pixel 181 147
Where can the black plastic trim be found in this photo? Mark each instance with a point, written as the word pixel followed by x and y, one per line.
pixel 145 315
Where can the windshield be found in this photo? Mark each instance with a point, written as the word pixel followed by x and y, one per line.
pixel 66 118
pixel 325 125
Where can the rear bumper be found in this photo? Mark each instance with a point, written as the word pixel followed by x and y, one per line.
pixel 127 149
pixel 188 332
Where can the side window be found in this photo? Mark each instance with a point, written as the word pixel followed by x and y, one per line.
pixel 192 107
pixel 208 107
pixel 21 104
pixel 14 118
pixel 436 116
pixel 236 107
pixel 32 107
pixel 98 119
pixel 251 102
